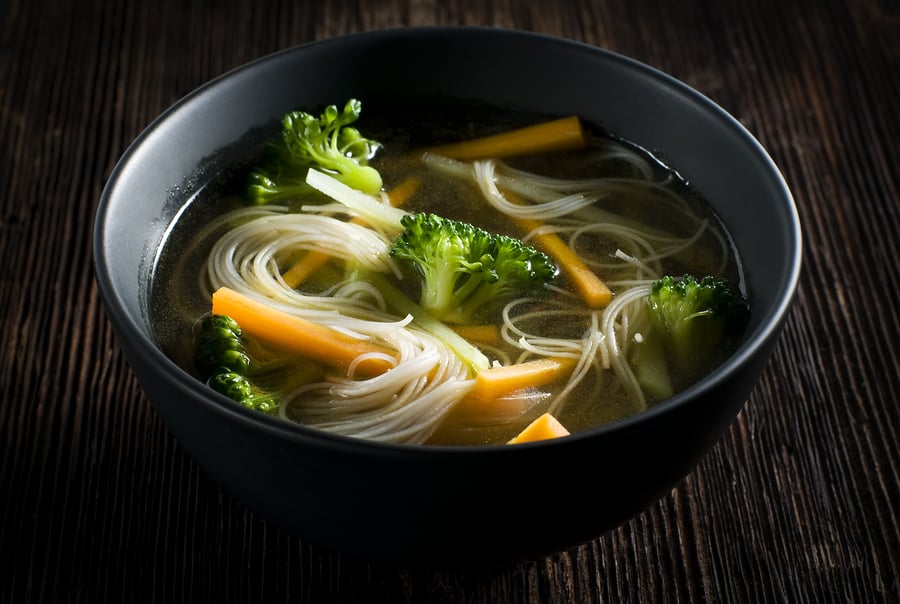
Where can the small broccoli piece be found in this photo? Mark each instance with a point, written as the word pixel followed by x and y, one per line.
pixel 222 360
pixel 240 389
pixel 694 317
pixel 465 271
pixel 219 346
pixel 328 143
pixel 283 187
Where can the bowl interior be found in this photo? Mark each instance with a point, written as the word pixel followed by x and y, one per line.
pixel 211 128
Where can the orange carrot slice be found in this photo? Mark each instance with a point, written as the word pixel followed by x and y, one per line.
pixel 305 338
pixel 555 135
pixel 543 428
pixel 496 382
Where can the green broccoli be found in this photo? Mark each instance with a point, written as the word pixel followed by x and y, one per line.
pixel 694 317
pixel 465 271
pixel 238 388
pixel 326 142
pixel 223 361
pixel 219 346
pixel 286 186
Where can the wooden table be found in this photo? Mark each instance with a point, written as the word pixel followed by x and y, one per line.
pixel 798 503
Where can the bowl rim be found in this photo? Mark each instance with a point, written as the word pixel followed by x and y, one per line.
pixel 275 427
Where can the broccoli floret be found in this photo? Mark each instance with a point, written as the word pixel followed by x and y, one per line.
pixel 327 143
pixel 465 271
pixel 694 317
pixel 284 186
pixel 238 388
pixel 223 362
pixel 219 346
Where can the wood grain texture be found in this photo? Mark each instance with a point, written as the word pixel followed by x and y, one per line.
pixel 797 503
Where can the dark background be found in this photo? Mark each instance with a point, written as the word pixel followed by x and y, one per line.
pixel 797 503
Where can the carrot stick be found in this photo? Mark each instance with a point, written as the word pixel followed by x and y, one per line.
pixel 499 394
pixel 477 412
pixel 478 333
pixel 544 427
pixel 311 340
pixel 590 287
pixel 300 271
pixel 400 194
pixel 495 382
pixel 315 259
pixel 556 135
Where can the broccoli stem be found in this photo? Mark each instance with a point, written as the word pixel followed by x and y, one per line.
pixel 398 300
pixel 361 178
pixel 650 366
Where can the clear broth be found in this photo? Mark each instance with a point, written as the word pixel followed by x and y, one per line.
pixel 177 300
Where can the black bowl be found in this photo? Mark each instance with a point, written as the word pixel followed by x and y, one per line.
pixel 446 506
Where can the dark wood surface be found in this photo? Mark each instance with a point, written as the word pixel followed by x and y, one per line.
pixel 797 503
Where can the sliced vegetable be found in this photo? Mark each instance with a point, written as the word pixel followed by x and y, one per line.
pixel 487 334
pixel 369 208
pixel 543 428
pixel 314 260
pixel 555 135
pixel 305 338
pixel 496 382
pixel 400 194
pixel 308 264
pixel 401 303
pixel 590 287
pixel 650 368
pixel 498 411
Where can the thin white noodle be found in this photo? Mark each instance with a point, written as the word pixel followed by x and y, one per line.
pixel 593 341
pixel 483 171
pixel 615 326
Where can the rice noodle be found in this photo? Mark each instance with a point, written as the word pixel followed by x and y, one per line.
pixel 561 206
pixel 403 405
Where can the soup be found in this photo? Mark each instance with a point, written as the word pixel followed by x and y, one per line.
pixel 348 329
